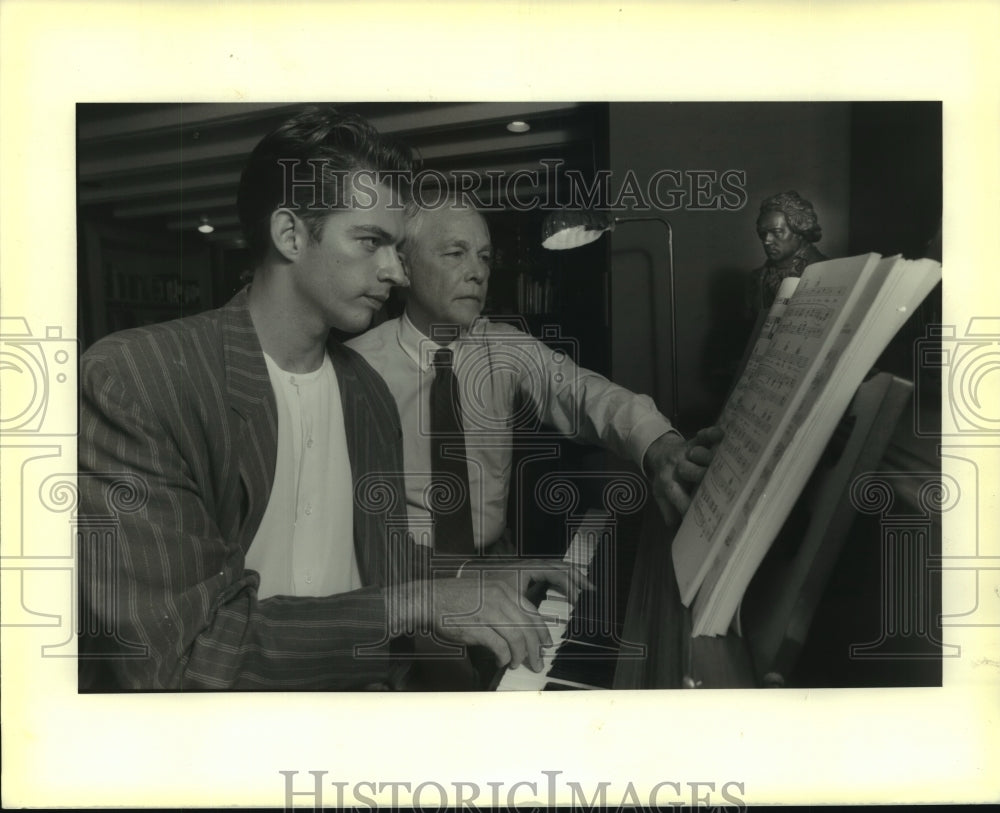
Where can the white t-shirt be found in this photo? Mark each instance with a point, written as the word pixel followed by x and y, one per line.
pixel 305 543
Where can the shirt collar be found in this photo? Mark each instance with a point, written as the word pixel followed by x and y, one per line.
pixel 421 349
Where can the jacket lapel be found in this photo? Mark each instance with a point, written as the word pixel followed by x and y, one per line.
pixel 251 398
pixel 369 525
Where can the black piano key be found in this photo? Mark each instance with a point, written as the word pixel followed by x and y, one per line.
pixel 570 650
pixel 594 617
pixel 598 673
pixel 583 664
pixel 601 639
pixel 587 653
pixel 551 687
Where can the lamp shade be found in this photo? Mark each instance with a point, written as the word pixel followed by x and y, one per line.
pixel 571 228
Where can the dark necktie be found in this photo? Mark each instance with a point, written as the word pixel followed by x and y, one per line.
pixel 449 470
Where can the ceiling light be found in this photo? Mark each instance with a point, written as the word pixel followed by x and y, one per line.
pixel 519 126
pixel 205 227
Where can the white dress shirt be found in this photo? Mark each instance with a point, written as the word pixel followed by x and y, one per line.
pixel 494 364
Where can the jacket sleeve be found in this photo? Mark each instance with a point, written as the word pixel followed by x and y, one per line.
pixel 165 589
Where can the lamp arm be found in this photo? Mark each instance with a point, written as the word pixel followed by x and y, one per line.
pixel 673 305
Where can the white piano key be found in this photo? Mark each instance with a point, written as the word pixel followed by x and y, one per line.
pixel 556 610
pixel 524 679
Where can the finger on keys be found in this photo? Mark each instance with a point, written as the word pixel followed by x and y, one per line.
pixel 568 580
pixel 538 639
pixel 526 634
pixel 524 646
pixel 498 645
pixel 517 647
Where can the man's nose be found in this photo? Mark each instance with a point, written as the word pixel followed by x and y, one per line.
pixel 390 269
pixel 479 271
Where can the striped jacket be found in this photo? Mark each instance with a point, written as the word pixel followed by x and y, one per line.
pixel 178 441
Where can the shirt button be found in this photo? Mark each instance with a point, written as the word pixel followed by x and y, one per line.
pixel 309 510
pixel 309 443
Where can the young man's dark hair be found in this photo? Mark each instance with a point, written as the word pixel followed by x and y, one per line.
pixel 303 165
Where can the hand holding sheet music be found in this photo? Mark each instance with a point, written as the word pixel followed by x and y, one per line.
pixel 677 467
pixel 816 346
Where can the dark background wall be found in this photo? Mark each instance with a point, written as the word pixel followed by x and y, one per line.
pixel 895 178
pixel 871 170
pixel 779 146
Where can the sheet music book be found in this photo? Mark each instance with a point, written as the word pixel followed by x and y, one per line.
pixel 821 336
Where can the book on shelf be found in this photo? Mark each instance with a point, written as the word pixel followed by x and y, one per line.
pixel 821 337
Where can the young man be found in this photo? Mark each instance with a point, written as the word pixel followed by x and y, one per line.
pixel 245 469
pixel 446 255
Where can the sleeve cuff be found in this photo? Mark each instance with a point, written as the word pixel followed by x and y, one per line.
pixel 649 429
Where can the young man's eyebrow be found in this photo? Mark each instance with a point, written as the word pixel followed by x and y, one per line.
pixel 374 231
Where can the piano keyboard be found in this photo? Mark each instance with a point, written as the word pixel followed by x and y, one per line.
pixel 583 654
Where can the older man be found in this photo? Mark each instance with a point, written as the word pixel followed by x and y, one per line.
pixel 446 255
pixel 243 467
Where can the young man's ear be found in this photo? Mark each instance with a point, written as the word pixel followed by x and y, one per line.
pixel 287 233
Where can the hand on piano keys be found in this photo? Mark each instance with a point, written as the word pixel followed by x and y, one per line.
pixel 479 612
pixel 524 576
pixel 485 608
pixel 584 649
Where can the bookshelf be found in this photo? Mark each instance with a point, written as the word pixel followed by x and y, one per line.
pixel 559 295
pixel 130 279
